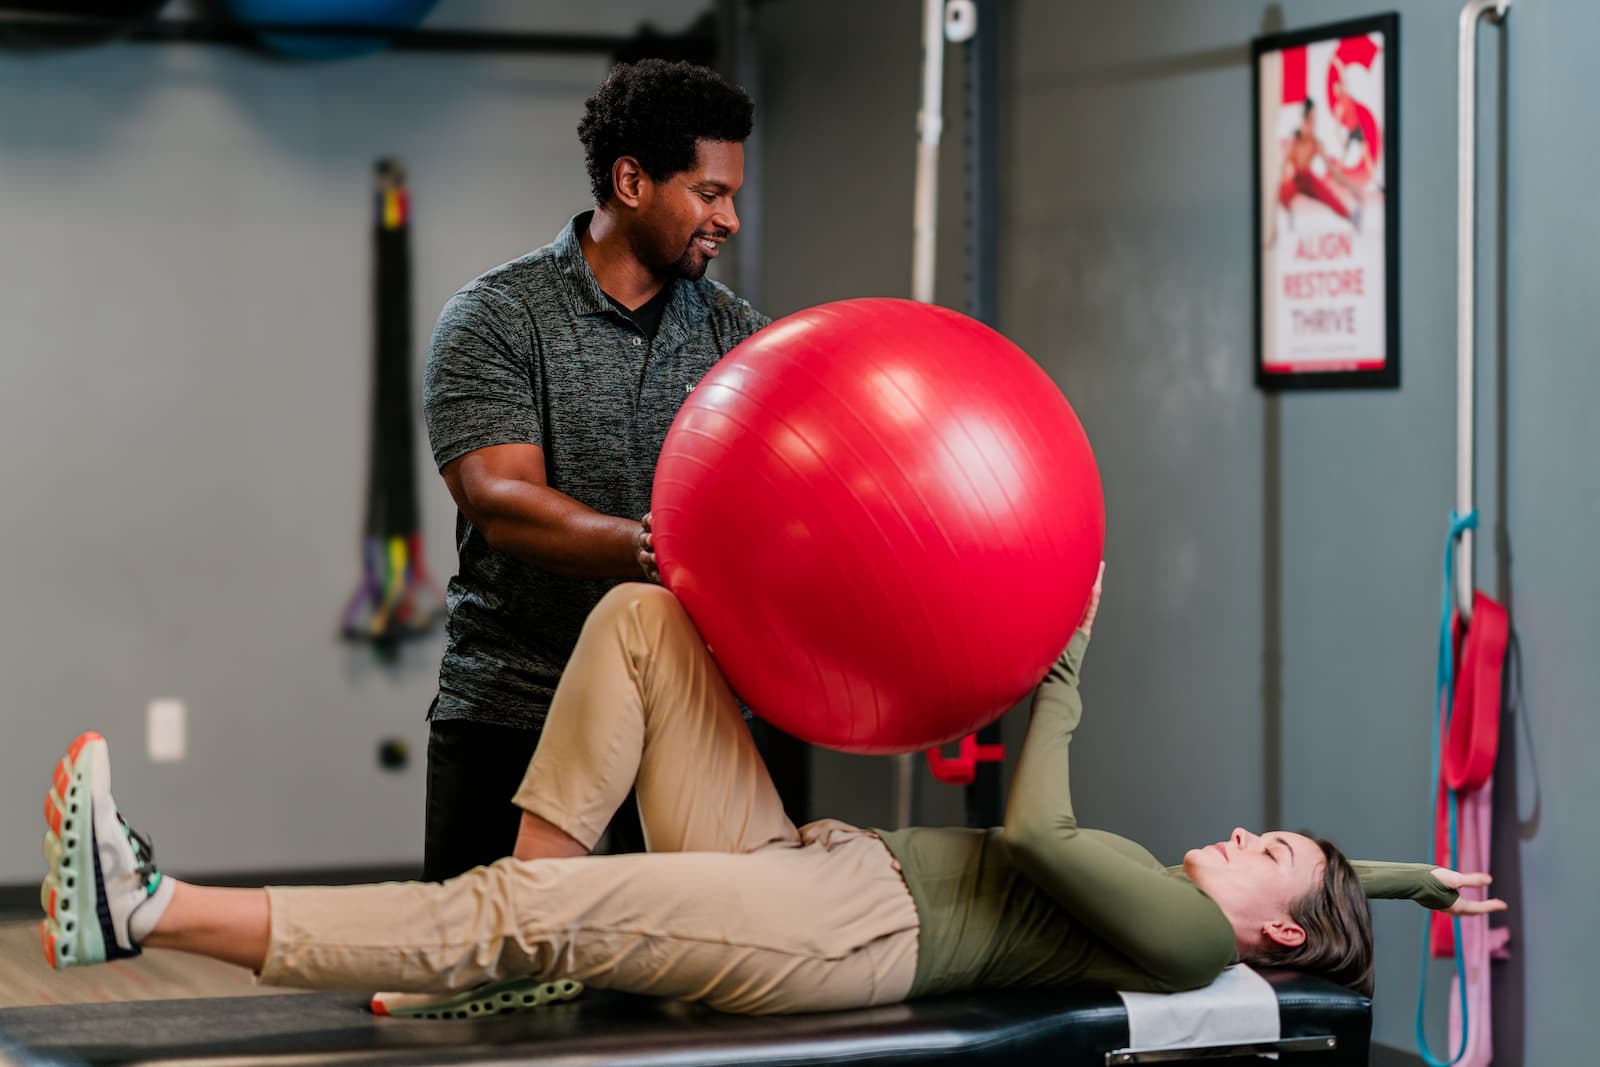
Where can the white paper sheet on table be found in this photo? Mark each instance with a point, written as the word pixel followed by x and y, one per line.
pixel 1240 1007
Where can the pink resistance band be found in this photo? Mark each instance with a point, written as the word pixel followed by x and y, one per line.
pixel 1471 735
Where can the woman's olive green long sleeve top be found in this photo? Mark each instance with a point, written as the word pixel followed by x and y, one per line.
pixel 1043 901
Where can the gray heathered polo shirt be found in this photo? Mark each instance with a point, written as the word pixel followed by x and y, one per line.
pixel 531 352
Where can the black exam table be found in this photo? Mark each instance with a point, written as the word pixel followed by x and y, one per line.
pixel 1322 1025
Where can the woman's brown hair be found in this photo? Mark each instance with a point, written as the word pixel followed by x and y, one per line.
pixel 1338 925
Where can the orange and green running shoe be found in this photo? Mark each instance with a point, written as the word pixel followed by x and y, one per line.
pixel 101 870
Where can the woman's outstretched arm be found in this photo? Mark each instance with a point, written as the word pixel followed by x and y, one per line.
pixel 1163 924
pixel 1433 887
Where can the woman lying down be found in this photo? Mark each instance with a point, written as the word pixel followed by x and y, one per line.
pixel 733 906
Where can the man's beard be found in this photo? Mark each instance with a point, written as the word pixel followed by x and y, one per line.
pixel 691 263
pixel 689 266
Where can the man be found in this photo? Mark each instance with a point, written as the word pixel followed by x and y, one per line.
pixel 549 388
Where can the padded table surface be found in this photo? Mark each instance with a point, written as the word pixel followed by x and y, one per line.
pixel 1057 1027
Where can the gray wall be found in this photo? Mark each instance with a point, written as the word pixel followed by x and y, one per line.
pixel 184 380
pixel 1266 648
pixel 1549 489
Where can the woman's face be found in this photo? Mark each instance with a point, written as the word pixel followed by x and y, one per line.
pixel 1255 878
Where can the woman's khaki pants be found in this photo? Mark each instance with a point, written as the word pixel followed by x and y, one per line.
pixel 732 906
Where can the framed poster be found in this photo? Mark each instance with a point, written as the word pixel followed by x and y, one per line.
pixel 1326 189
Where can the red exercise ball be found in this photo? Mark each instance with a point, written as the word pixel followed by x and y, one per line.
pixel 884 519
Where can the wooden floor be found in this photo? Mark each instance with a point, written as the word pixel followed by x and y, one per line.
pixel 26 980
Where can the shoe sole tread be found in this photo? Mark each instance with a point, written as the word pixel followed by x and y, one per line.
pixel 68 893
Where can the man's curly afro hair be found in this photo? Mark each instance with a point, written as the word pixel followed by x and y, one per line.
pixel 655 111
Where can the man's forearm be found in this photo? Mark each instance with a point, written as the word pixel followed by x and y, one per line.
pixel 556 533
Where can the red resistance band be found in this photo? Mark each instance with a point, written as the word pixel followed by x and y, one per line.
pixel 1471 736
pixel 962 769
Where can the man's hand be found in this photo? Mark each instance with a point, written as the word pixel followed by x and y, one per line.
pixel 1086 624
pixel 644 547
pixel 1472 879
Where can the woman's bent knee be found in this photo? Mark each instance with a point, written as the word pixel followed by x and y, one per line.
pixel 634 596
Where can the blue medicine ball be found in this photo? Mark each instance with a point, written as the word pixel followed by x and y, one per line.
pixel 397 13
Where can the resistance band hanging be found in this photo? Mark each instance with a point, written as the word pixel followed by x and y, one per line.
pixel 1466 739
pixel 396 598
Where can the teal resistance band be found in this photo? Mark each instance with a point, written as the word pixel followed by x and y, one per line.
pixel 1444 696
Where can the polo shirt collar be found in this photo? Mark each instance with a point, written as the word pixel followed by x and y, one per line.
pixel 686 307
pixel 582 289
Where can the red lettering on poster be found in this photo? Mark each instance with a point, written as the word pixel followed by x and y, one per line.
pixel 1294 75
pixel 1311 284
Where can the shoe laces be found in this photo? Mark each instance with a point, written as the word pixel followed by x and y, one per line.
pixel 144 857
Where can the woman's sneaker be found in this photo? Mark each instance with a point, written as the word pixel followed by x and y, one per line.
pixel 101 871
pixel 496 998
